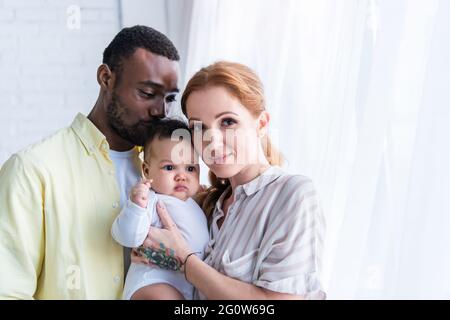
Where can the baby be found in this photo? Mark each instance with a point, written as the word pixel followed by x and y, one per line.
pixel 171 169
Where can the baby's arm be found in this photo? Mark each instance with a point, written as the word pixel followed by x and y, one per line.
pixel 131 226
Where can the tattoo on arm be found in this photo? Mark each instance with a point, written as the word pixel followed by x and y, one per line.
pixel 162 257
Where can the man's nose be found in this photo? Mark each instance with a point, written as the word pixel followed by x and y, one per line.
pixel 157 109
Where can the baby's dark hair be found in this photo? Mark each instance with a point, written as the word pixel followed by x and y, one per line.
pixel 164 129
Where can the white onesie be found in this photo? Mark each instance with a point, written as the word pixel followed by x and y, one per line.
pixel 131 228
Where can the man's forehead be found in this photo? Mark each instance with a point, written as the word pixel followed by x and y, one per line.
pixel 147 67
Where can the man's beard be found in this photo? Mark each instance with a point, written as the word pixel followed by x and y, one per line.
pixel 136 133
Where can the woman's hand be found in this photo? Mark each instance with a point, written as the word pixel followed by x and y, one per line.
pixel 165 247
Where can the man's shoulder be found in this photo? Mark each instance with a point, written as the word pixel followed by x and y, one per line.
pixel 38 153
pixel 49 145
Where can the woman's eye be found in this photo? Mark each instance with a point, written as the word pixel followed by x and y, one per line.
pixel 228 122
pixel 168 167
pixel 191 168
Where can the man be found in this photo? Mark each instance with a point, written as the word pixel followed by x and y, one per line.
pixel 59 197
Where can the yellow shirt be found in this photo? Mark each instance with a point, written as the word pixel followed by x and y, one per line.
pixel 58 200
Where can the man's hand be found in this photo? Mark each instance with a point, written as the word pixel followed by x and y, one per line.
pixel 139 193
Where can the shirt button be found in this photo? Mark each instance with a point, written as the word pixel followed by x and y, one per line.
pixel 116 279
pixel 115 205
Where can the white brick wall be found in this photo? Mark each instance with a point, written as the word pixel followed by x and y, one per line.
pixel 47 70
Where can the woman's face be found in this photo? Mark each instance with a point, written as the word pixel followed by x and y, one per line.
pixel 224 132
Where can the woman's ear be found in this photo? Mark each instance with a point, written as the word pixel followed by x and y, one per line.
pixel 263 123
pixel 105 77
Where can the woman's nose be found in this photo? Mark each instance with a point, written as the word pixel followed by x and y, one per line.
pixel 216 144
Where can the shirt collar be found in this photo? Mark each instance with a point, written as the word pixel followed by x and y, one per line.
pixel 90 136
pixel 254 185
pixel 258 183
pixel 221 198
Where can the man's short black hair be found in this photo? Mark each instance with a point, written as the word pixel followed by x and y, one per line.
pixel 129 39
pixel 164 130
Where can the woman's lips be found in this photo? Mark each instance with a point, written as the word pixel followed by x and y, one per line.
pixel 221 160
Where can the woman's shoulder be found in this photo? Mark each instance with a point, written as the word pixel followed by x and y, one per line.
pixel 294 195
pixel 289 182
pixel 292 192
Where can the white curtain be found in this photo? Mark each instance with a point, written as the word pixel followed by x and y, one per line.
pixel 359 94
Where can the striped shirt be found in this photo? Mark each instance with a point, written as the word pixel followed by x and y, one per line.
pixel 271 236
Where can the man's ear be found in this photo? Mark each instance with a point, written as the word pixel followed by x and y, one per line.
pixel 263 123
pixel 105 77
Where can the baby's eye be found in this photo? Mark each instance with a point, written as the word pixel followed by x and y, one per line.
pixel 191 168
pixel 168 167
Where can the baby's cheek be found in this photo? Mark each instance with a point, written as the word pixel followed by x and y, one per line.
pixel 161 184
pixel 194 189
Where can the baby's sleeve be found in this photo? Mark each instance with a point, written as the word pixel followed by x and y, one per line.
pixel 131 226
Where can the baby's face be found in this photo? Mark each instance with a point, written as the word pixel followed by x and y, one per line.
pixel 173 166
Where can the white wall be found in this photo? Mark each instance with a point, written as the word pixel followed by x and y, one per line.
pixel 48 63
pixel 49 56
pixel 171 17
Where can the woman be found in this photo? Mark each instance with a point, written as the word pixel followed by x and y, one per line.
pixel 266 226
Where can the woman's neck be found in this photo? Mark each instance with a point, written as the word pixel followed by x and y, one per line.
pixel 245 175
pixel 248 174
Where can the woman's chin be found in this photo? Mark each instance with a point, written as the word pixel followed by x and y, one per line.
pixel 225 171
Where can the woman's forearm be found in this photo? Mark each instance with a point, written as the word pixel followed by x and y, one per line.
pixel 216 286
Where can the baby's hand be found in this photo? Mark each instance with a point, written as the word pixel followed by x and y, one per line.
pixel 139 193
